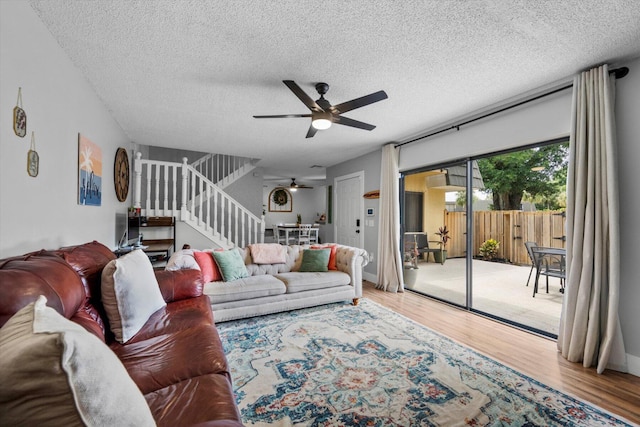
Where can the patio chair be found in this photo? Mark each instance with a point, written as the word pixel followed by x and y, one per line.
pixel 550 264
pixel 530 246
pixel 422 244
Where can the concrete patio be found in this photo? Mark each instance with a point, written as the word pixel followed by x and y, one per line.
pixel 498 289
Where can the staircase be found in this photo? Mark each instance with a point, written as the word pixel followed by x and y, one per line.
pixel 223 170
pixel 186 192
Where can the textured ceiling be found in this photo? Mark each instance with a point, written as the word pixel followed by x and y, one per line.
pixel 192 73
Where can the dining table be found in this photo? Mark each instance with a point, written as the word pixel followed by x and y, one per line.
pixel 291 232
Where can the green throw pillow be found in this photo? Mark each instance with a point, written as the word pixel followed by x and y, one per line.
pixel 315 259
pixel 231 265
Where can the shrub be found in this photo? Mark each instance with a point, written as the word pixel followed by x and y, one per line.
pixel 489 249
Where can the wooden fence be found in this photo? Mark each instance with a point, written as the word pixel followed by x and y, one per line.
pixel 510 228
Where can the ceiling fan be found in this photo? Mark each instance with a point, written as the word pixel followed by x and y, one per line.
pixel 294 186
pixel 323 114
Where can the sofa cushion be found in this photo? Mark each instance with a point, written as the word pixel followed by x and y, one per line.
pixel 54 372
pixel 166 359
pixel 245 288
pixel 208 266
pixel 332 258
pixel 315 260
pixel 211 402
pixel 130 294
pixel 183 259
pixel 268 253
pixel 299 282
pixel 231 265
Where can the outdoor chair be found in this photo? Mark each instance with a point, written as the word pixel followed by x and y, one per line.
pixel 530 246
pixel 548 263
pixel 421 243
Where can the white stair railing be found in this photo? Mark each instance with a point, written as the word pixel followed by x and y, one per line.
pixel 202 204
pixel 222 169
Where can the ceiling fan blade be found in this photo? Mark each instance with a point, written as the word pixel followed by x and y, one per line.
pixel 282 116
pixel 359 102
pixel 342 120
pixel 312 131
pixel 306 100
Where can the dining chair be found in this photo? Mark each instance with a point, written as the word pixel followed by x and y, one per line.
pixel 279 235
pixel 304 234
pixel 313 235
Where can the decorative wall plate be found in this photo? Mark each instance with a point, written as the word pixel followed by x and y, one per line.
pixel 33 160
pixel 19 117
pixel 33 163
pixel 121 174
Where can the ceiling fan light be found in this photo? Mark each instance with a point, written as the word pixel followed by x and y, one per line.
pixel 321 121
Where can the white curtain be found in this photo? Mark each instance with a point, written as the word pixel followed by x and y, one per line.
pixel 389 261
pixel 589 327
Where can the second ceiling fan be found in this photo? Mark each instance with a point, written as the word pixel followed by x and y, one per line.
pixel 323 114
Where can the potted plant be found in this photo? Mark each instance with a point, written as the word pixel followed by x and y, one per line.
pixel 298 219
pixel 441 256
pixel 411 264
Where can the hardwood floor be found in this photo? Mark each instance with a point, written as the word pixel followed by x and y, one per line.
pixel 530 354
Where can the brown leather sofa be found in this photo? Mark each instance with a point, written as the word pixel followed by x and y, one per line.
pixel 176 360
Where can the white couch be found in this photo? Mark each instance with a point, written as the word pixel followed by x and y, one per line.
pixel 272 288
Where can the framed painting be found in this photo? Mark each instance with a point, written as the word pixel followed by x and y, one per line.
pixel 89 172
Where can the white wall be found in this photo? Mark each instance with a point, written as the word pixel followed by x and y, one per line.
pixel 541 120
pixel 310 203
pixel 628 126
pixel 43 212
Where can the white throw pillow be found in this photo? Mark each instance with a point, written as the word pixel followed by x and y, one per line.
pixel 182 260
pixel 56 373
pixel 130 294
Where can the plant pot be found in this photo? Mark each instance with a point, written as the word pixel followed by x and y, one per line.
pixel 410 276
pixel 440 256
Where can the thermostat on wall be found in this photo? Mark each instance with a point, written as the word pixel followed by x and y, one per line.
pixel 371 212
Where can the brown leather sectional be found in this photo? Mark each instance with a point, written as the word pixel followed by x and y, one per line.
pixel 176 360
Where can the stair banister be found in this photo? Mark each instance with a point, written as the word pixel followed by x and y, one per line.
pixel 203 204
pixel 183 196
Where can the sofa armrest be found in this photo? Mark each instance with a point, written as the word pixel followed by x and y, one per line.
pixel 180 284
pixel 351 261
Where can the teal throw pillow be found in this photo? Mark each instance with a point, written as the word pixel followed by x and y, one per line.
pixel 231 265
pixel 315 260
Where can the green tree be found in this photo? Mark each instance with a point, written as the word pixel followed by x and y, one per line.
pixel 508 177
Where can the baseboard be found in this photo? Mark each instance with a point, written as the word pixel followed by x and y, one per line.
pixel 370 277
pixel 633 364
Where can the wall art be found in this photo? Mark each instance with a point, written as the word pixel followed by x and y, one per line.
pixel 89 172
pixel 33 160
pixel 280 200
pixel 19 117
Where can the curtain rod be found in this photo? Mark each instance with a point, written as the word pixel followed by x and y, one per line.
pixel 618 74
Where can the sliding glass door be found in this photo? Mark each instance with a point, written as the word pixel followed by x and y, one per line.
pixel 435 242
pixel 475 217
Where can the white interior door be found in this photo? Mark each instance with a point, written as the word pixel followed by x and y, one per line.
pixel 349 208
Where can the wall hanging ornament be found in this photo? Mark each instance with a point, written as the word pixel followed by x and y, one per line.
pixel 19 117
pixel 33 160
pixel 280 200
pixel 121 174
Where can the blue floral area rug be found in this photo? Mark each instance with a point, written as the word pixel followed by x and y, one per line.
pixel 340 365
